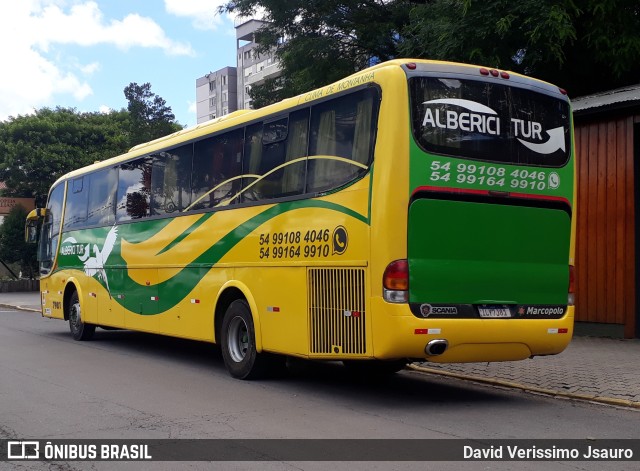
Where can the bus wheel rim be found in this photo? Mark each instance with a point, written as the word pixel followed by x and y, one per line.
pixel 238 343
pixel 74 315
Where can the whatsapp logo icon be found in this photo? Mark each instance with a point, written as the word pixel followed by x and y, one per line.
pixel 340 240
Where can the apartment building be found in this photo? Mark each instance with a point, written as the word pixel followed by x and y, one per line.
pixel 216 94
pixel 227 90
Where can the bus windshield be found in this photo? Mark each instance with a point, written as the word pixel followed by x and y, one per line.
pixel 490 122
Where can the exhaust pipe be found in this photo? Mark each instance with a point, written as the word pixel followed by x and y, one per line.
pixel 436 347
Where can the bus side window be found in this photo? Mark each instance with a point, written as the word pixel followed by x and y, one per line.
pixel 294 173
pixel 134 189
pixel 102 194
pixel 276 151
pixel 252 162
pixel 265 157
pixel 216 165
pixel 227 184
pixel 341 128
pixel 75 214
pixel 171 180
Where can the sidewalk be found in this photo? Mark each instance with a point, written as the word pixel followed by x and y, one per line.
pixel 594 369
pixel 591 368
pixel 27 301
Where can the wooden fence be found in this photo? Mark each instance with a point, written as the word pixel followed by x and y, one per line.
pixel 605 245
pixel 19 286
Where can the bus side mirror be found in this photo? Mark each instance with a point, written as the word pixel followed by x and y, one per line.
pixel 41 201
pixel 32 224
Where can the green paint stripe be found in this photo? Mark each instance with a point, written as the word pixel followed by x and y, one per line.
pixel 186 233
pixel 141 230
pixel 178 287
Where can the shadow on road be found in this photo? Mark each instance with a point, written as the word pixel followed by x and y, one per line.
pixel 404 390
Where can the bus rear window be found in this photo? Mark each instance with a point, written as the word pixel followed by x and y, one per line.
pixel 489 121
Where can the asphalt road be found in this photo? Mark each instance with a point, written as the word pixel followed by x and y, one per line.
pixel 131 385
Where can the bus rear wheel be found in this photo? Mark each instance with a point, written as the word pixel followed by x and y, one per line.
pixel 79 329
pixel 239 343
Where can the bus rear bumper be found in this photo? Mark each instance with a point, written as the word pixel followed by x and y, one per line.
pixel 397 333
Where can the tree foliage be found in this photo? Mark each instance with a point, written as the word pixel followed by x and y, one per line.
pixel 37 149
pixel 325 40
pixel 13 248
pixel 150 116
pixel 585 46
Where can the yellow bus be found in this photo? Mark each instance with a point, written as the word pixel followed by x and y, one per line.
pixel 414 210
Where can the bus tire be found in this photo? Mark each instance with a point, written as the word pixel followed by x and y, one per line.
pixel 79 329
pixel 239 343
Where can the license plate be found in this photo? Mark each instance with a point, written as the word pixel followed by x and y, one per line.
pixel 494 312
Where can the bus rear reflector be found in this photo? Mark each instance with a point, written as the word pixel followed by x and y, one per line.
pixel 395 282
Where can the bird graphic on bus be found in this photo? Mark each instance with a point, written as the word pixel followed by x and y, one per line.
pixel 95 265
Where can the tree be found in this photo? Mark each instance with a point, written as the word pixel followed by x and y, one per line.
pixel 496 33
pixel 35 150
pixel 325 40
pixel 13 248
pixel 584 46
pixel 149 114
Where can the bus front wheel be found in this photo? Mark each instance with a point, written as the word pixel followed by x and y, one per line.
pixel 79 329
pixel 239 342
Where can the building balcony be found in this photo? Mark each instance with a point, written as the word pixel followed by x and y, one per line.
pixel 269 71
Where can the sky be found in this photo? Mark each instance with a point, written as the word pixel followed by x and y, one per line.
pixel 83 53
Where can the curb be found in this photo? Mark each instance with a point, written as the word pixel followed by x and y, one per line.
pixel 20 308
pixel 531 389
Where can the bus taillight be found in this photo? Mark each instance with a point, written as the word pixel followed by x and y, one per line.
pixel 395 282
pixel 572 283
pixel 494 73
